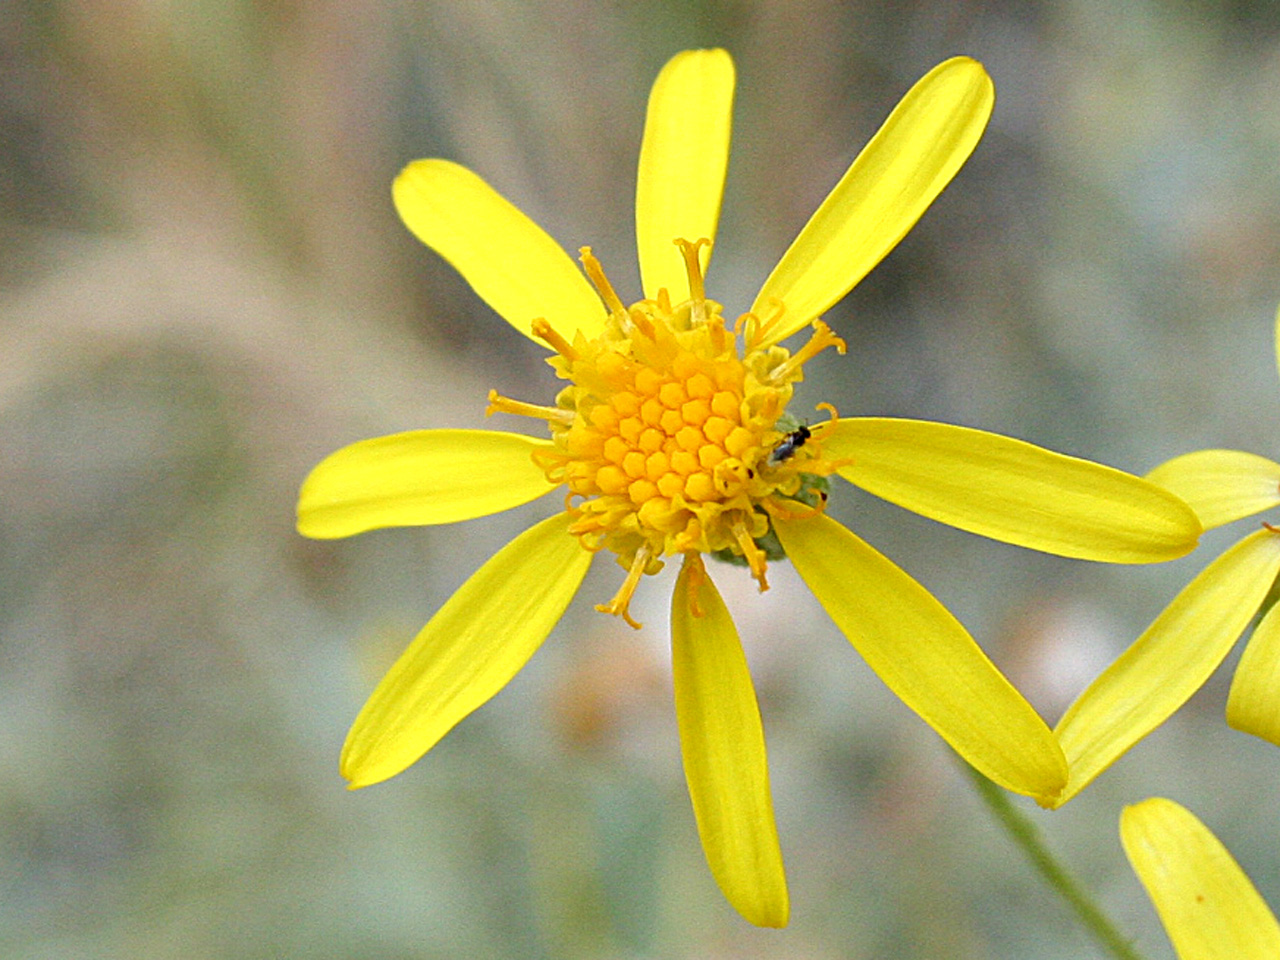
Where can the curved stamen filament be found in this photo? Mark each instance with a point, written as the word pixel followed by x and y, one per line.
pixel 780 508
pixel 621 602
pixel 752 553
pixel 757 329
pixel 821 339
pixel 834 416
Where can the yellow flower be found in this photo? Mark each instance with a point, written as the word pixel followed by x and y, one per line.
pixel 1179 651
pixel 1208 906
pixel 671 440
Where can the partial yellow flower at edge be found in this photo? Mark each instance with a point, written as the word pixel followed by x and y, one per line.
pixel 1207 904
pixel 1221 485
pixel 1169 662
pixel 670 439
pixel 1179 651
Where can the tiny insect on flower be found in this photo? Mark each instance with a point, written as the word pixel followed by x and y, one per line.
pixel 792 442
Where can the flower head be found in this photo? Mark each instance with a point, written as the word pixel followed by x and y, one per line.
pixel 670 438
pixel 669 431
pixel 1183 646
pixel 1208 905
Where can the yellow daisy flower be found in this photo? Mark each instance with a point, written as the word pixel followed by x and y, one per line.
pixel 670 439
pixel 1209 908
pixel 1174 656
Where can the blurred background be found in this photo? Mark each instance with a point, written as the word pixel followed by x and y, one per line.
pixel 204 290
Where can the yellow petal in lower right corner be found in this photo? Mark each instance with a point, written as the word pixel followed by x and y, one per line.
pixel 1209 907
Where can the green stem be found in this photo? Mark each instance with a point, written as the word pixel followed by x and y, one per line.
pixel 1024 833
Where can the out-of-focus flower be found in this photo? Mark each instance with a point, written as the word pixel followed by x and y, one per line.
pixel 671 440
pixel 1174 656
pixel 1209 908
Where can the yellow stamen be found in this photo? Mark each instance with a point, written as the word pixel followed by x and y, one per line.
pixel 757 329
pixel 693 266
pixel 619 605
pixel 595 273
pixel 501 404
pixel 544 331
pixel 752 553
pixel 697 577
pixel 781 509
pixel 821 339
pixel 663 435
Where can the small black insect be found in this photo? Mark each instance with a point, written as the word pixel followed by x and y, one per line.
pixel 789 444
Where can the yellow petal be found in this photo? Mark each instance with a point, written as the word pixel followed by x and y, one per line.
pixel 469 651
pixel 1221 485
pixel 1169 662
pixel 722 744
pixel 683 159
pixel 926 657
pixel 419 477
pixel 1012 491
pixel 913 156
pixel 510 262
pixel 1209 907
pixel 1253 705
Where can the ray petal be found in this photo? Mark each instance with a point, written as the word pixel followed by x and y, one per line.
pixel 722 744
pixel 419 477
pixel 1169 662
pixel 926 657
pixel 1221 485
pixel 510 262
pixel 683 160
pixel 469 651
pixel 1209 907
pixel 1253 705
pixel 914 155
pixel 1011 490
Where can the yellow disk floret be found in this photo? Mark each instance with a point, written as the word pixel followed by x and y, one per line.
pixel 665 432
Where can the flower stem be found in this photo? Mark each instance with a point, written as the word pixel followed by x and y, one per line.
pixel 1025 835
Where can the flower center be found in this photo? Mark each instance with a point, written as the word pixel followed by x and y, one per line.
pixel 669 433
